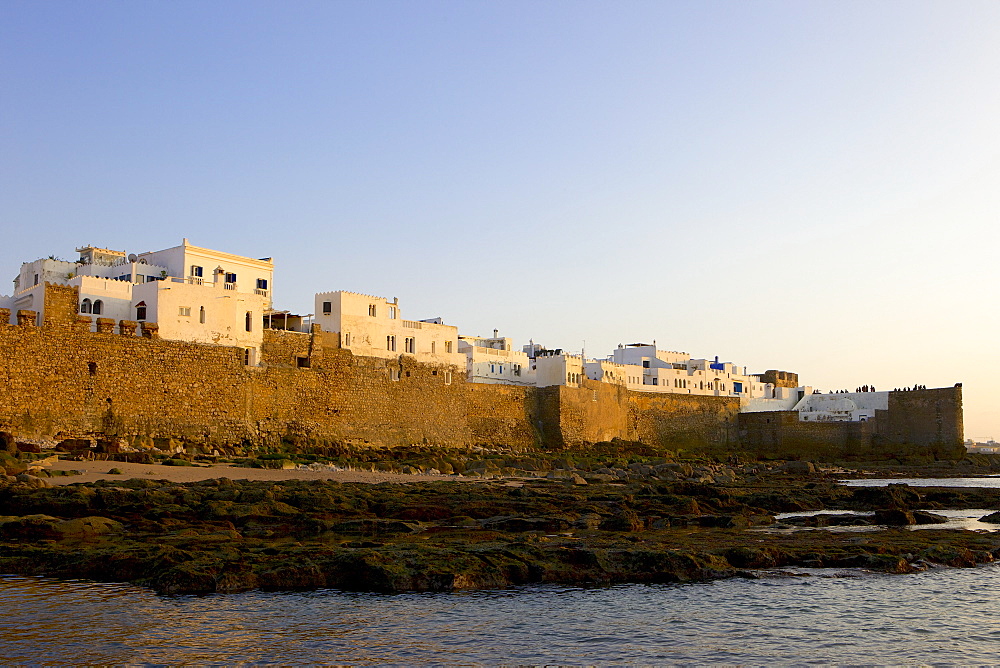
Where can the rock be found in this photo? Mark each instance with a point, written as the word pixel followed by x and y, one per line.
pixel 87 527
pixel 958 557
pixel 374 527
pixel 724 521
pixel 992 518
pixel 29 527
pixel 799 468
pixel 924 517
pixel 626 520
pixel 894 517
pixel 32 480
pixel 827 520
pixel 521 524
pixel 891 496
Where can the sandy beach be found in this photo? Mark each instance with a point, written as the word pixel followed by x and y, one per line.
pixel 98 470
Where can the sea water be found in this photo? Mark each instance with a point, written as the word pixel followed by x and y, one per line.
pixel 797 617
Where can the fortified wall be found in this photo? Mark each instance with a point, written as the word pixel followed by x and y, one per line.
pixel 64 381
pixel 916 421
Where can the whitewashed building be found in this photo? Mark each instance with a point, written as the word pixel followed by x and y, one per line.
pixel 492 360
pixel 374 327
pixel 192 293
pixel 841 406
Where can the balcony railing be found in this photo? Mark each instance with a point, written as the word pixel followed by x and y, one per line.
pixel 262 292
pixel 413 324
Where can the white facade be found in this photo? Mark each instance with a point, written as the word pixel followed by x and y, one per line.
pixel 554 367
pixel 203 265
pixel 841 406
pixel 374 327
pixel 492 360
pixel 628 376
pixel 677 373
pixel 193 294
pixel 775 398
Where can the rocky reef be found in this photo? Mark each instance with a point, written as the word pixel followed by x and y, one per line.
pixel 571 527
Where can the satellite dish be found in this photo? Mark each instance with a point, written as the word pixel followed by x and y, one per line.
pixel 132 257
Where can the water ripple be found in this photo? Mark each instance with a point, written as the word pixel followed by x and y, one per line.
pixel 944 616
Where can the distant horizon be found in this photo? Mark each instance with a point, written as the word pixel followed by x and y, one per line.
pixel 807 187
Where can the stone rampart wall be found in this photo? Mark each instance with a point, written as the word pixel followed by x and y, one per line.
pixel 63 381
pixel 919 421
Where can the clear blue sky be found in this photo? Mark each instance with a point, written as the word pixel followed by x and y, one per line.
pixel 810 186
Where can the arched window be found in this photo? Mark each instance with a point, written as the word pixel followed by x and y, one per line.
pixel 140 312
pixel 201 315
pixel 249 320
pixel 85 306
pixel 98 306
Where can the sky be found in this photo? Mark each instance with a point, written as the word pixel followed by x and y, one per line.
pixel 805 186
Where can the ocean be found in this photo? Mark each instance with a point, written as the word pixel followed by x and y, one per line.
pixel 802 616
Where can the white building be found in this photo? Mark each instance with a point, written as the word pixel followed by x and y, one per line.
pixel 374 327
pixel 841 406
pixel 677 373
pixel 492 360
pixel 192 293
pixel 555 367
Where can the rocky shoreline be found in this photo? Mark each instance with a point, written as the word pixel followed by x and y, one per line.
pixel 571 527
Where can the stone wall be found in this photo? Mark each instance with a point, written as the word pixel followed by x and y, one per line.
pixel 925 417
pixel 780 378
pixel 63 381
pixel 919 421
pixel 601 412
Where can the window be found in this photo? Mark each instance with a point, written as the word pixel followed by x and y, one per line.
pixel 390 343
pixel 493 369
pixel 433 347
pixel 656 381
pixel 140 312
pixel 249 320
pixel 36 279
pixel 196 271
pixel 262 284
pixel 327 308
pixel 302 362
pixel 85 306
pixel 501 369
pixel 139 278
pixel 372 311
pixel 517 369
pixel 347 339
pixel 392 312
pixel 184 310
pixel 645 364
pixel 410 345
pixel 447 346
pixel 230 277
pixel 246 356
pixel 447 377
pixel 393 374
pixel 98 307
pixel 201 315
